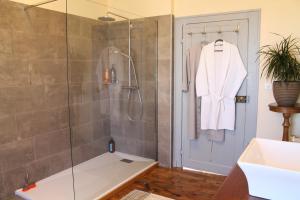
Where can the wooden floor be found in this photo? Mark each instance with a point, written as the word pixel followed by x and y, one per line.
pixel 175 183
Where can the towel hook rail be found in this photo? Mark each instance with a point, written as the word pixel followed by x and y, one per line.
pixel 220 31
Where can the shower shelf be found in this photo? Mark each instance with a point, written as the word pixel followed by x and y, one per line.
pixel 126 87
pixel 117 82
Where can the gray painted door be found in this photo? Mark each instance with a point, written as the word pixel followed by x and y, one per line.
pixel 202 153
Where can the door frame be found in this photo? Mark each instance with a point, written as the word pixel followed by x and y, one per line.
pixel 254 19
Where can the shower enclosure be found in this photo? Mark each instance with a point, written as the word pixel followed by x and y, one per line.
pixel 113 96
pixel 73 76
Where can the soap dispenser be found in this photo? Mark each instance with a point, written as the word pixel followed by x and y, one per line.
pixel 113 74
pixel 106 75
pixel 111 146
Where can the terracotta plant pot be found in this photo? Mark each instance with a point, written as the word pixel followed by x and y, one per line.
pixel 286 93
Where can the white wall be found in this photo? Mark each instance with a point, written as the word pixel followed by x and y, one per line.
pixel 141 8
pixel 95 8
pixel 85 8
pixel 279 16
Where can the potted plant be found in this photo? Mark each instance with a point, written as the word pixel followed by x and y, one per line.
pixel 280 63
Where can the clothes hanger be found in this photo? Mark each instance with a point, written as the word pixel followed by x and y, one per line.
pixel 219 42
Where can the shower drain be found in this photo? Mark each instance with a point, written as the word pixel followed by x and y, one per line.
pixel 126 161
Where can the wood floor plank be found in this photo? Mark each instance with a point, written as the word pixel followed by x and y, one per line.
pixel 175 183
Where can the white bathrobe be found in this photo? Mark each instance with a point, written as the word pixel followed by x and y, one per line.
pixel 218 79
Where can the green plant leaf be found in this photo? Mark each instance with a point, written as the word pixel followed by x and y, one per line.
pixel 280 61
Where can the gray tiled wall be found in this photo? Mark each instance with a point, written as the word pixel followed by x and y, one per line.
pixel 165 88
pixel 34 118
pixel 138 137
pixel 152 48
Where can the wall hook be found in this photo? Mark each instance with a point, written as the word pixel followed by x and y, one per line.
pixel 204 30
pixel 237 29
pixel 220 30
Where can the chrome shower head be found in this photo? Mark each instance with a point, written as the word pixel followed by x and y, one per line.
pixel 106 18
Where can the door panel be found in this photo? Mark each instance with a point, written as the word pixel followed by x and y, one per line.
pixel 201 153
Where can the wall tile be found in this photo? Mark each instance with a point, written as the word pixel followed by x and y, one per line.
pixel 100 32
pixel 7 103
pixel 2 188
pixel 4 10
pixel 101 129
pixel 149 65
pixel 165 90
pixel 35 123
pixel 82 134
pixel 150 149
pixel 165 25
pixel 116 129
pixel 14 72
pixel 75 90
pixel 26 45
pixel 134 146
pixel 59 162
pixel 149 133
pixel 50 47
pixel 8 131
pixel 118 109
pixel 164 109
pixel 52 71
pixel 132 129
pixel 90 150
pixel 56 95
pixel 150 111
pixel 14 179
pixel 36 19
pixel 121 144
pixel 51 143
pixel 16 154
pixel 164 70
pixel 80 48
pixel 80 71
pixel 116 91
pixel 38 170
pixel 29 98
pixel 149 90
pixel 81 114
pixel 5 41
pixel 118 30
pixel 73 25
pixel 164 147
pixel 86 27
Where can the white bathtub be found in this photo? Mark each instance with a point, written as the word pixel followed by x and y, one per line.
pixel 93 179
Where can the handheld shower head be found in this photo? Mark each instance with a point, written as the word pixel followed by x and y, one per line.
pixel 121 53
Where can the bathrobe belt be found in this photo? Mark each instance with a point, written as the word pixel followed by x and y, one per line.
pixel 220 101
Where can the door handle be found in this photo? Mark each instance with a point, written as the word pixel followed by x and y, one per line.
pixel 241 99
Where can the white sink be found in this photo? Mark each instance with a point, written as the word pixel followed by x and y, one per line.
pixel 272 169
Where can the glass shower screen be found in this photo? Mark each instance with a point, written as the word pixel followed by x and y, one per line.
pixel 112 80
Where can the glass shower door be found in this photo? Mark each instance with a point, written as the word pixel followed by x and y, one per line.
pixel 112 96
